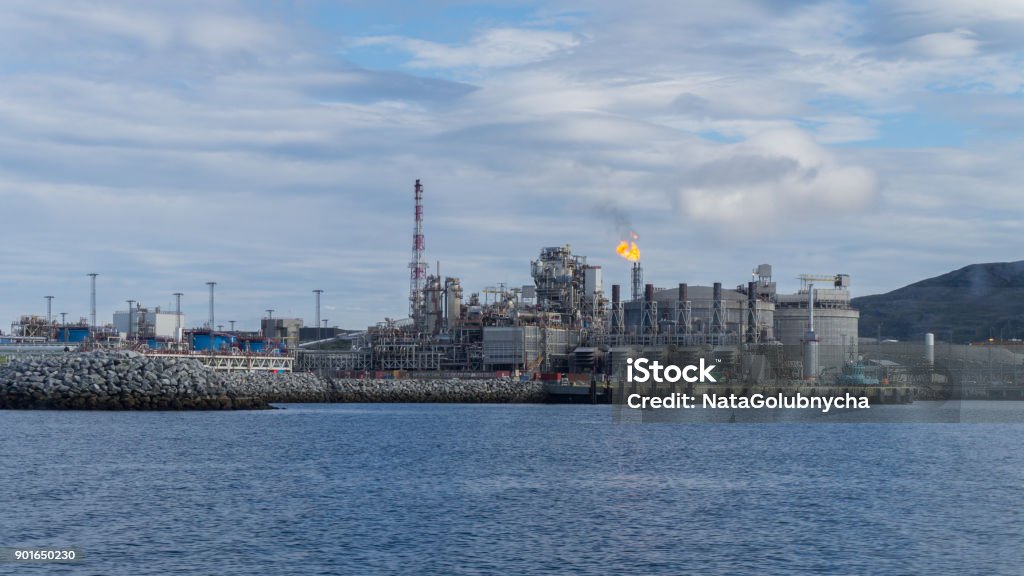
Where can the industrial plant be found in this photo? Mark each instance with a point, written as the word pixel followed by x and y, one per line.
pixel 567 326
pixel 564 325
pixel 565 322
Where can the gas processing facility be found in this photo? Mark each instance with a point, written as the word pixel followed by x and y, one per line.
pixel 567 322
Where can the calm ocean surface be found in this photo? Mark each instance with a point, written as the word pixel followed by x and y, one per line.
pixel 466 489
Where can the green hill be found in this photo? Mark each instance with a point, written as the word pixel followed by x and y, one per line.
pixel 976 302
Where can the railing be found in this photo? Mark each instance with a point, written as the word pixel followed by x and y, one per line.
pixel 33 350
pixel 239 362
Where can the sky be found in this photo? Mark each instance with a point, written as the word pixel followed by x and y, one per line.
pixel 272 146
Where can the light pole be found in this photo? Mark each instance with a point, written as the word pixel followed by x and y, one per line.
pixel 64 325
pixel 270 323
pixel 232 322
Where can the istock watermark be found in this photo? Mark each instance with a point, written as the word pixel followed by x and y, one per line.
pixel 645 371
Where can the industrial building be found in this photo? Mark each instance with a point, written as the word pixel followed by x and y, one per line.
pixel 139 323
pixel 283 329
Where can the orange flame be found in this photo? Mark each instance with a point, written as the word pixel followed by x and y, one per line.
pixel 628 250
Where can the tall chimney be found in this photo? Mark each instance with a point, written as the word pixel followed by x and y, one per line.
pixel 751 311
pixel 717 319
pixel 683 309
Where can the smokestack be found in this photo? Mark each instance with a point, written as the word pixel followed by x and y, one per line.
pixel 177 317
pixel 929 348
pixel 638 281
pixel 810 339
pixel 649 314
pixel 616 320
pixel 751 311
pixel 92 302
pixel 718 319
pixel 683 309
pixel 211 285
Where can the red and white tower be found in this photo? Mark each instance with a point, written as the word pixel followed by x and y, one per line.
pixel 417 268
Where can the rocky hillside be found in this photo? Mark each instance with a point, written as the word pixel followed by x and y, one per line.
pixel 973 303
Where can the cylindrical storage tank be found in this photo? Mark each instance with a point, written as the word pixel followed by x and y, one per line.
pixel 453 289
pixel 929 348
pixel 835 328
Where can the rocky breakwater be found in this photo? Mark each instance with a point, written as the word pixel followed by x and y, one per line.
pixel 441 390
pixel 130 381
pixel 309 387
pixel 119 381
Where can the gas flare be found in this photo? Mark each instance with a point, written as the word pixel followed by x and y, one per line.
pixel 629 250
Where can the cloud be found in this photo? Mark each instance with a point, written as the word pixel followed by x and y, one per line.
pixel 774 178
pixel 959 43
pixel 167 145
pixel 492 48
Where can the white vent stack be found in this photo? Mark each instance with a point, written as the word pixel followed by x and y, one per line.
pixel 810 339
pixel 929 348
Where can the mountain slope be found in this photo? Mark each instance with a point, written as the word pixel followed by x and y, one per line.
pixel 975 302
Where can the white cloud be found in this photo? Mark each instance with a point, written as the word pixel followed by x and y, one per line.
pixel 493 48
pixel 774 179
pixel 959 43
pixel 173 144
